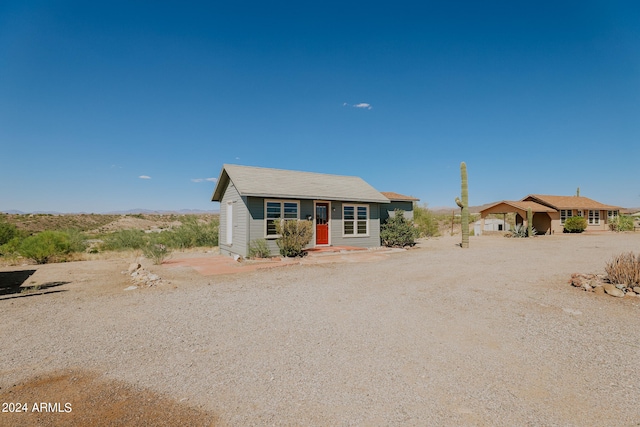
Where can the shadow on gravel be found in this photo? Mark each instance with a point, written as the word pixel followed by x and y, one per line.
pixel 11 284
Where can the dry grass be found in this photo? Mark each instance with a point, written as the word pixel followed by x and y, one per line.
pixel 624 268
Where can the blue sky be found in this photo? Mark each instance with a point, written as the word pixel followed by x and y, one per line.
pixel 118 105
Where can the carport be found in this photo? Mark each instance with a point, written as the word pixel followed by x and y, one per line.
pixel 541 218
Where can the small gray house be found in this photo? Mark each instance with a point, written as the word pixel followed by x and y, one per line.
pixel 345 210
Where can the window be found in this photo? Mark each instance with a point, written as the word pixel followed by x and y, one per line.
pixel 278 210
pixel 594 217
pixel 564 214
pixel 612 214
pixel 580 213
pixel 356 220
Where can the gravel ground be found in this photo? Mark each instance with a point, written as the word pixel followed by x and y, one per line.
pixel 437 335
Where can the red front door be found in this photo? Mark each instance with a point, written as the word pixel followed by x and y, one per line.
pixel 322 223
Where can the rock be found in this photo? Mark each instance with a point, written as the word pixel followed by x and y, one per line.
pixel 613 291
pixel 130 288
pixel 133 267
pixel 621 286
pixel 630 294
pixel 587 287
pixel 598 290
pixel 636 289
pixel 153 277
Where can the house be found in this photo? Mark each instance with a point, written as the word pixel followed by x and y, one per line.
pixel 550 212
pixel 345 210
pixel 398 201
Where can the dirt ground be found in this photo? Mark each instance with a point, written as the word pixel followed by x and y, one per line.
pixel 435 335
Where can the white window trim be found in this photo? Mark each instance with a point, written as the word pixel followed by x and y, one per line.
pixel 229 215
pixel 595 218
pixel 613 214
pixel 355 220
pixel 282 202
pixel 568 214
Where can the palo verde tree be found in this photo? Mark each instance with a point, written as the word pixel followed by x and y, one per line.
pixel 464 205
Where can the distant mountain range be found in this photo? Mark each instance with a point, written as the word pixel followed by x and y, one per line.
pixel 127 212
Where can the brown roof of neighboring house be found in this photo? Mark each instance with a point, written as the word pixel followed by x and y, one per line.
pixel 397 197
pixel 569 202
pixel 522 205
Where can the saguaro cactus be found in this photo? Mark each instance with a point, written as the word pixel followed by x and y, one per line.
pixel 529 222
pixel 464 205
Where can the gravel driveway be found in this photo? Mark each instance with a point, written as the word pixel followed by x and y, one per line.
pixel 437 335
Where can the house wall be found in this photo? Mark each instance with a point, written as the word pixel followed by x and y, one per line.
pixel 386 210
pixel 257 219
pixel 370 241
pixel 249 223
pixel 557 227
pixel 239 223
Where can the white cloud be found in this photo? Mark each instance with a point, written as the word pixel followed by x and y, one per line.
pixel 144 177
pixel 204 179
pixel 362 105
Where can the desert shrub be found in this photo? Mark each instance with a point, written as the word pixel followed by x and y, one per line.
pixel 77 240
pixel 398 231
pixel 195 233
pixel 294 236
pixel 44 246
pixel 11 248
pixel 7 232
pixel 621 223
pixel 124 239
pixel 156 252
pixel 575 224
pixel 521 231
pixel 425 221
pixel 624 268
pixel 258 248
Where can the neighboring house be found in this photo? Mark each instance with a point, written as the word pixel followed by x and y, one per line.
pixel 490 225
pixel 345 210
pixel 550 212
pixel 398 201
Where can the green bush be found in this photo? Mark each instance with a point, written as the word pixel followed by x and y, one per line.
pixel 11 248
pixel 294 236
pixel 397 231
pixel 575 224
pixel 44 246
pixel 425 221
pixel 77 240
pixel 7 232
pixel 124 239
pixel 621 223
pixel 259 249
pixel 194 233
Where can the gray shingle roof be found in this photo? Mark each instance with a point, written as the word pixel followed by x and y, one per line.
pixel 286 184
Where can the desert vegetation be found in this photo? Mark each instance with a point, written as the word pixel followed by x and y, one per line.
pixel 621 223
pixel 58 238
pixel 294 236
pixel 398 231
pixel 575 224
